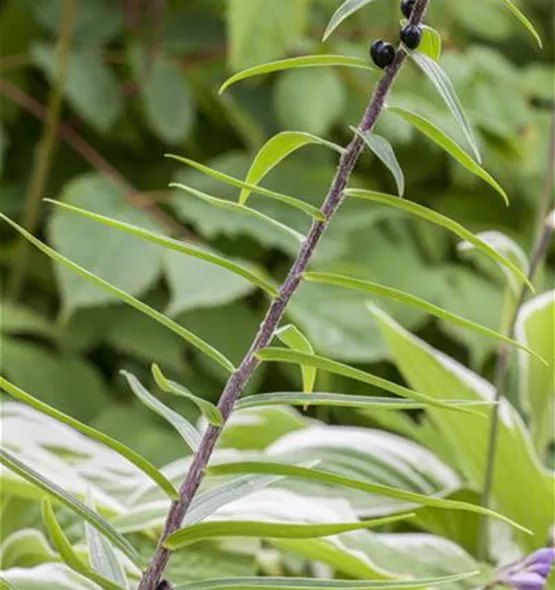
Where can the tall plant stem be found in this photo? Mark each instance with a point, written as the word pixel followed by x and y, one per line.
pixel 239 378
pixel 502 364
pixel 45 150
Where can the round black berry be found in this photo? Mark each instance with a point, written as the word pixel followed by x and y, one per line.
pixel 164 585
pixel 411 35
pixel 406 7
pixel 382 53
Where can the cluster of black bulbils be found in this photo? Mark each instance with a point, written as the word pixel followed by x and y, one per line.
pixel 382 53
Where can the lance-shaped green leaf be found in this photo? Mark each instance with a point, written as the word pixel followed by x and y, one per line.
pixel 145 466
pixel 292 337
pixel 443 221
pixel 184 428
pixel 7 585
pixel 445 89
pixel 177 245
pixel 239 209
pixel 126 298
pixel 68 554
pixel 305 61
pixel 101 525
pixel 307 208
pixel 336 399
pixel 270 583
pixel 434 133
pixel 326 477
pixel 412 301
pixel 277 149
pixel 103 559
pixel 282 355
pixel 208 409
pixel 523 20
pixel 268 530
pixel 431 43
pixel 383 150
pixel 343 12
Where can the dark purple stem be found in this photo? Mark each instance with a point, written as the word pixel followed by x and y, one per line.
pixel 239 378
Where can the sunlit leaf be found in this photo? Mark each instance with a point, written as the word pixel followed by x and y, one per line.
pixel 445 89
pixel 145 466
pixel 101 525
pixel 292 337
pixel 125 297
pixel 431 43
pixel 185 429
pixel 523 20
pixel 383 150
pixel 343 12
pixel 445 142
pixel 305 61
pixel 310 210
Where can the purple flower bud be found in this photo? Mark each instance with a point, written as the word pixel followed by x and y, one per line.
pixel 524 580
pixel 545 556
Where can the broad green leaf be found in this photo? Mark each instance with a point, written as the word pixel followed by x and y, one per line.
pixel 306 61
pixel 523 20
pixel 35 478
pixel 310 210
pixel 271 530
pixel 238 208
pixel 167 99
pixel 445 142
pixel 154 474
pixel 269 583
pixel 19 319
pixel 383 150
pixel 102 557
pixel 408 299
pixel 519 473
pixel 445 89
pixel 208 409
pixel 331 399
pixel 431 43
pixel 66 551
pixel 292 337
pixel 535 327
pixel 277 149
pixel 90 86
pixel 309 100
pixel 176 245
pixel 335 479
pixel 443 221
pixel 259 32
pixel 125 297
pixel 343 12
pixel 25 548
pixel 283 355
pixel 185 429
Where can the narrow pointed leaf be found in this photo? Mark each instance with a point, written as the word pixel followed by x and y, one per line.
pixel 125 297
pixel 237 208
pixel 292 337
pixel 445 89
pixel 383 150
pixel 184 428
pixel 305 61
pixel 101 525
pixel 209 410
pixel 268 530
pixel 270 583
pixel 103 558
pixel 412 301
pixel 307 208
pixel 177 245
pixel 336 479
pixel 6 585
pixel 145 466
pixel 283 355
pixel 277 149
pixel 523 20
pixel 445 142
pixel 337 399
pixel 443 221
pixel 67 553
pixel 343 12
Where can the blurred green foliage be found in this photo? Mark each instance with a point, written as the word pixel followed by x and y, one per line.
pixel 141 80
